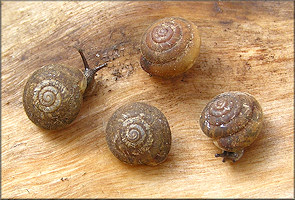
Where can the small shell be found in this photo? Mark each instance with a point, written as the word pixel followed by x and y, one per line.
pixel 138 133
pixel 233 120
pixel 170 47
pixel 53 96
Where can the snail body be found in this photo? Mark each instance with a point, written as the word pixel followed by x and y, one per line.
pixel 170 47
pixel 138 133
pixel 233 120
pixel 53 94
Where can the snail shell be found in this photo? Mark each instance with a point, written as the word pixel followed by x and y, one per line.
pixel 138 133
pixel 233 120
pixel 170 47
pixel 53 96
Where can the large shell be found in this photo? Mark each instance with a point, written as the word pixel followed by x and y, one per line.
pixel 138 133
pixel 170 47
pixel 53 96
pixel 233 120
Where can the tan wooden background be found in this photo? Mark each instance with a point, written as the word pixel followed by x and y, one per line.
pixel 246 46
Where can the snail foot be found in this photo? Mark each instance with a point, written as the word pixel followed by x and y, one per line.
pixel 233 156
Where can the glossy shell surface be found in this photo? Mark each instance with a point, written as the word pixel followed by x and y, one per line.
pixel 233 120
pixel 138 133
pixel 170 47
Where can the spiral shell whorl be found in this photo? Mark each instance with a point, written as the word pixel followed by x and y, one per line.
pixel 232 119
pixel 138 133
pixel 47 96
pixel 166 40
pixel 53 96
pixel 169 47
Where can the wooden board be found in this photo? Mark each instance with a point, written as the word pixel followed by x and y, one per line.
pixel 246 46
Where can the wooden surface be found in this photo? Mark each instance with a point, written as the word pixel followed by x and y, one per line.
pixel 246 46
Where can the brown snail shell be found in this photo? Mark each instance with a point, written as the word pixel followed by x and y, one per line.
pixel 233 120
pixel 170 47
pixel 53 94
pixel 138 133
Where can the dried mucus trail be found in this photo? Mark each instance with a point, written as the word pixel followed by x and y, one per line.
pixel 121 59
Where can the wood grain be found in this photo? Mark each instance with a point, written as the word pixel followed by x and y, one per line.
pixel 246 46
